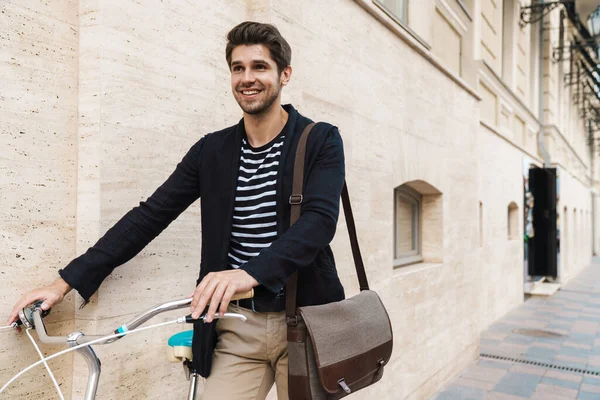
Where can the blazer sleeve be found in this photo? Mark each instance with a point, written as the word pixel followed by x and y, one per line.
pixel 138 227
pixel 315 228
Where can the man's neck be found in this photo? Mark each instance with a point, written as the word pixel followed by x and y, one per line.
pixel 262 128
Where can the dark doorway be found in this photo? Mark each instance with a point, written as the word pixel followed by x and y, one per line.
pixel 542 247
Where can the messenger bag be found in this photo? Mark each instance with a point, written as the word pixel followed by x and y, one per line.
pixel 338 348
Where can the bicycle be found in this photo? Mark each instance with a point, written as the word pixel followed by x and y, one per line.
pixel 179 345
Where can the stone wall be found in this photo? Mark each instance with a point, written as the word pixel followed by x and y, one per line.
pixel 38 172
pixel 103 98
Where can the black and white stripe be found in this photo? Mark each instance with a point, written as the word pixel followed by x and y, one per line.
pixel 254 215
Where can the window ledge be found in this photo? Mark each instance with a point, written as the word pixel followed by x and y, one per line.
pixel 415 268
pixel 465 10
pixel 402 24
pixel 408 260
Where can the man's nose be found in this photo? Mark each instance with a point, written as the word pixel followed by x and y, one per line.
pixel 249 76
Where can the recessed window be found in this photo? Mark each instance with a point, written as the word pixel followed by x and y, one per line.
pixel 407 223
pixel 418 224
pixel 397 8
pixel 513 221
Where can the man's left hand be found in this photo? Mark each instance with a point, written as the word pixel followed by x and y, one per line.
pixel 218 288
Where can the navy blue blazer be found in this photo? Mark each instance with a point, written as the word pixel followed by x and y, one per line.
pixel 209 171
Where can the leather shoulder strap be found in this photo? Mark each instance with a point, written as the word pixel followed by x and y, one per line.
pixel 296 205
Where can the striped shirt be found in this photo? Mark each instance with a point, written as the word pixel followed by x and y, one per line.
pixel 254 214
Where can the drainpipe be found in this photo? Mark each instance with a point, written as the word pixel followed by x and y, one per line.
pixel 593 221
pixel 592 191
pixel 540 138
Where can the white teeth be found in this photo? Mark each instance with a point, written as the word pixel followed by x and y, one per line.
pixel 250 92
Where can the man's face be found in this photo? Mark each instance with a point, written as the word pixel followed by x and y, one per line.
pixel 255 82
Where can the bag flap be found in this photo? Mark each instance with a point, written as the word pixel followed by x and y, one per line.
pixel 351 338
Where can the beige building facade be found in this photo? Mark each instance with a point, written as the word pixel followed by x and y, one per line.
pixel 443 106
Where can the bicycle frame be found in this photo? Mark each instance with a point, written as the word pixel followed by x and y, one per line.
pixel 90 357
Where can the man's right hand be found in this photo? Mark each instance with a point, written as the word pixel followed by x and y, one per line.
pixel 51 295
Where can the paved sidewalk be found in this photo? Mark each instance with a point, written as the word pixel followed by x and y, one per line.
pixel 546 349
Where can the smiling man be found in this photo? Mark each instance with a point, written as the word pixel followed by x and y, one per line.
pixel 243 174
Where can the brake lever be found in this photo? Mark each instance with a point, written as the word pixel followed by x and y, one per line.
pixel 227 315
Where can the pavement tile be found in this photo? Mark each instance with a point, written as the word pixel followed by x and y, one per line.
pixel 558 340
pixel 518 384
pixel 513 349
pixel 492 375
pixel 568 314
pixel 473 383
pixel 590 380
pixel 528 369
pixel 545 345
pixel 571 359
pixel 503 396
pixel 585 387
pixel 553 325
pixel 461 393
pixel 546 314
pixel 589 318
pixel 535 324
pixel 501 364
pixel 583 338
pixel 587 396
pixel 565 376
pixel 595 351
pixel 582 326
pixel 560 383
pixel 577 345
pixel 541 352
pixel 545 391
pixel 519 339
pixel 574 352
pixel 489 343
pixel 594 359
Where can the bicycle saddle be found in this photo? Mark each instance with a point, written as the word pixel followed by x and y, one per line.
pixel 180 347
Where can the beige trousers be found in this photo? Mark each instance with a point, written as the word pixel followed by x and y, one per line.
pixel 250 356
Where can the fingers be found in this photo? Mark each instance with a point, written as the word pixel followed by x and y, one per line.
pixel 46 305
pixel 49 296
pixel 214 301
pixel 219 288
pixel 23 302
pixel 203 296
pixel 226 299
pixel 199 290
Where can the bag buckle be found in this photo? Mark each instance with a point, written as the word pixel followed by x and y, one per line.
pixel 342 383
pixel 296 199
pixel 292 321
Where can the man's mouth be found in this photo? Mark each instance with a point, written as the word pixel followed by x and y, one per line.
pixel 250 93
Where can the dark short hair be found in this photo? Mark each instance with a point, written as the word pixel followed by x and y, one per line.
pixel 250 32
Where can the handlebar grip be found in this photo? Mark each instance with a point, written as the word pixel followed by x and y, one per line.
pixel 246 295
pixel 26 314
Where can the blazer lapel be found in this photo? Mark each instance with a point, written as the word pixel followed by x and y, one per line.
pixel 230 166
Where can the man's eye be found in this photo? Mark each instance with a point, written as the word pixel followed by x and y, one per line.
pixel 237 69
pixel 260 67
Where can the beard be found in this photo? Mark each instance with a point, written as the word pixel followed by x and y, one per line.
pixel 257 106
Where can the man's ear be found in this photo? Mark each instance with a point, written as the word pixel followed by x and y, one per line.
pixel 286 75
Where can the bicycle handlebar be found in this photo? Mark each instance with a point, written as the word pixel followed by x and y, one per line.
pixel 131 324
pixel 77 339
